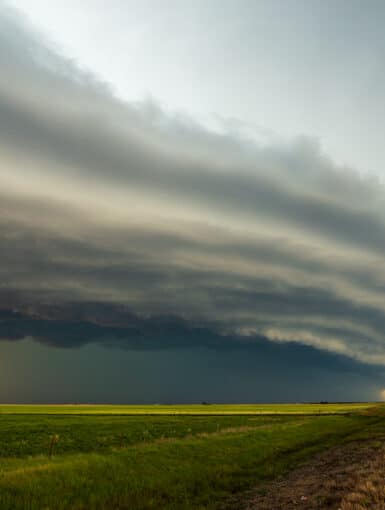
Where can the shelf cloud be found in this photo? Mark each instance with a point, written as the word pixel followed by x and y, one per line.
pixel 136 228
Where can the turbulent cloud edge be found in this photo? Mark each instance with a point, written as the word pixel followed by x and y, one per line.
pixel 136 209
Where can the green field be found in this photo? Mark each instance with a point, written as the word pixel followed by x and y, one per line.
pixel 205 409
pixel 152 457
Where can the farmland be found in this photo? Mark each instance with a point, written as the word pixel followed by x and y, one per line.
pixel 177 457
pixel 197 409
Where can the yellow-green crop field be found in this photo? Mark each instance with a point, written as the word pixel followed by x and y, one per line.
pixel 198 409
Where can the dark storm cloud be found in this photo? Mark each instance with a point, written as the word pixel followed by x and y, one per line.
pixel 178 236
pixel 92 326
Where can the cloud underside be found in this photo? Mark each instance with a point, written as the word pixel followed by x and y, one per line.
pixel 122 224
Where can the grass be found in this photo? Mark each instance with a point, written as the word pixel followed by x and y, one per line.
pixel 204 409
pixel 114 457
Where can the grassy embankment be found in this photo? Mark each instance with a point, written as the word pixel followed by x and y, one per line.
pixel 113 457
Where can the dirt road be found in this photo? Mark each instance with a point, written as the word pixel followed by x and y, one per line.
pixel 350 477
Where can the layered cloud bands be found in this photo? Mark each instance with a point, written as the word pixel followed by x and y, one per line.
pixel 124 225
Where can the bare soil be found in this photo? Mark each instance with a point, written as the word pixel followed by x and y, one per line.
pixel 350 477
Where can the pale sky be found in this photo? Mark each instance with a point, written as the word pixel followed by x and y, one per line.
pixel 292 67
